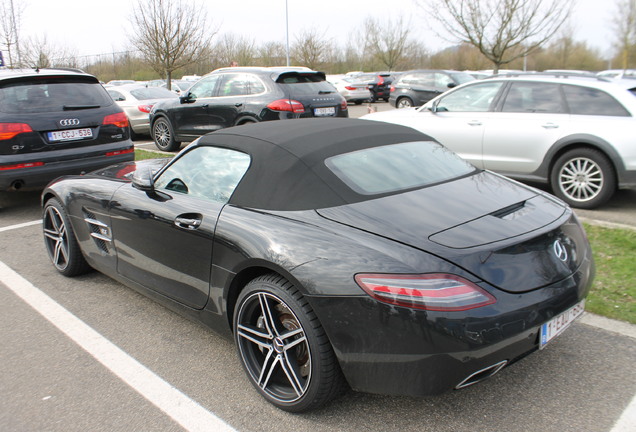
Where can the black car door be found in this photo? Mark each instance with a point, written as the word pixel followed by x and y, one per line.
pixel 191 118
pixel 164 237
pixel 230 100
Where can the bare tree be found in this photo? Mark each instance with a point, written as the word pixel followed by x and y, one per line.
pixel 388 42
pixel 311 48
pixel 10 20
pixel 39 53
pixel 231 48
pixel 170 33
pixel 272 54
pixel 502 30
pixel 625 28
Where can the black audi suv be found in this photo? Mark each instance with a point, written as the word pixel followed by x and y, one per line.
pixel 56 122
pixel 236 96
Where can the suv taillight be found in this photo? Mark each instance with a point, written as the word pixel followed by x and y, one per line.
pixel 433 292
pixel 117 119
pixel 287 105
pixel 350 88
pixel 392 88
pixel 10 130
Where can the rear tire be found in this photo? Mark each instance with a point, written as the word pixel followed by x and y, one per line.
pixel 283 347
pixel 163 135
pixel 584 178
pixel 404 102
pixel 60 241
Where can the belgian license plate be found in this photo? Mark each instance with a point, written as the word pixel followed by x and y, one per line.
pixel 559 323
pixel 322 112
pixel 71 134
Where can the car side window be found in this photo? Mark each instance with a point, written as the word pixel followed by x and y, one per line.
pixel 590 101
pixel 118 97
pixel 442 80
pixel 256 86
pixel 474 98
pixel 234 85
pixel 533 97
pixel 209 173
pixel 206 87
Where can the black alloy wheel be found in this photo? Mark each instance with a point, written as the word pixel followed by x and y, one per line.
pixel 163 134
pixel 60 241
pixel 283 347
pixel 584 178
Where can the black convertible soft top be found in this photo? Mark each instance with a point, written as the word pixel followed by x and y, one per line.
pixel 288 170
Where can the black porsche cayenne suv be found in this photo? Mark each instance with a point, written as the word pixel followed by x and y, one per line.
pixel 235 96
pixel 55 122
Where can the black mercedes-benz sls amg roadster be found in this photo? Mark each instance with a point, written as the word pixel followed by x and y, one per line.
pixel 336 252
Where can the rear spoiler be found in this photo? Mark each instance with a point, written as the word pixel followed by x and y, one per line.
pixel 315 74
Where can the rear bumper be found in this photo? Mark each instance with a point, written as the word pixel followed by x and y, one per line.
pixel 56 165
pixel 400 351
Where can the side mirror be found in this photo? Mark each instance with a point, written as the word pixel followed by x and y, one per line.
pixel 451 85
pixel 142 180
pixel 186 97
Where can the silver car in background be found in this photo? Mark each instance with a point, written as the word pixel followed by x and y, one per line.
pixel 352 89
pixel 575 134
pixel 137 100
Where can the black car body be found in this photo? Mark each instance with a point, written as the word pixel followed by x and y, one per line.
pixel 57 122
pixel 416 87
pixel 379 84
pixel 334 246
pixel 236 96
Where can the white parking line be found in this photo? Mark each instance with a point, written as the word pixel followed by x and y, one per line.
pixel 178 406
pixel 22 225
pixel 627 421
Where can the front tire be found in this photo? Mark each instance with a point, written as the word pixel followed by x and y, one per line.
pixel 584 178
pixel 60 241
pixel 163 135
pixel 283 347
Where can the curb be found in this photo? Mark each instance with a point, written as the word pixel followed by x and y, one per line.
pixel 606 224
pixel 614 326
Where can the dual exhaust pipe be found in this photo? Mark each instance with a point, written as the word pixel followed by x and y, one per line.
pixel 481 375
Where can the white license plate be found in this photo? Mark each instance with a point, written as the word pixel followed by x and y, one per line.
pixel 71 134
pixel 321 112
pixel 559 323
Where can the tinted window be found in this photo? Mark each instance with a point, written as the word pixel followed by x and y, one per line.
pixel 310 84
pixel 152 93
pixel 234 85
pixel 209 173
pixel 205 87
pixel 47 96
pixel 256 85
pixel 533 97
pixel 589 101
pixel 397 167
pixel 474 98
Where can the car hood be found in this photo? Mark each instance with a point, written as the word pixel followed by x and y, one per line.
pixel 511 236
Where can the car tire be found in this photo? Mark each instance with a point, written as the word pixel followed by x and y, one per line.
pixel 404 102
pixel 60 241
pixel 283 347
pixel 163 135
pixel 584 178
pixel 357 102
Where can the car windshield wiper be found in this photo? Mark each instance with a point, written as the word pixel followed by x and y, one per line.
pixel 78 107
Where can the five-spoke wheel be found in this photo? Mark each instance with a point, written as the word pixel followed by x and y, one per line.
pixel 60 241
pixel 283 347
pixel 163 134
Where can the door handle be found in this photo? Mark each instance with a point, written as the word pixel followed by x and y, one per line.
pixel 238 104
pixel 204 106
pixel 475 123
pixel 189 223
pixel 550 125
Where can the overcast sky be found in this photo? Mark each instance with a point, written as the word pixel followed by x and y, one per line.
pixel 91 27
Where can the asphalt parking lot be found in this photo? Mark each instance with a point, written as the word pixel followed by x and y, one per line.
pixel 90 354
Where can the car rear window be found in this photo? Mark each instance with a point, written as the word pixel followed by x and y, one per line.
pixel 51 95
pixel 398 167
pixel 152 93
pixel 590 101
pixel 305 84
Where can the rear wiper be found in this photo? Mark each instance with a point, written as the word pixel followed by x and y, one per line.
pixel 78 107
pixel 325 91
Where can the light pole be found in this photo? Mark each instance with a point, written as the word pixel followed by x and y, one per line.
pixel 287 30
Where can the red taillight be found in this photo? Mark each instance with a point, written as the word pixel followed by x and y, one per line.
pixel 145 108
pixel 350 88
pixel 21 166
pixel 287 105
pixel 433 292
pixel 392 88
pixel 9 130
pixel 120 152
pixel 343 105
pixel 117 119
pixel 380 80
